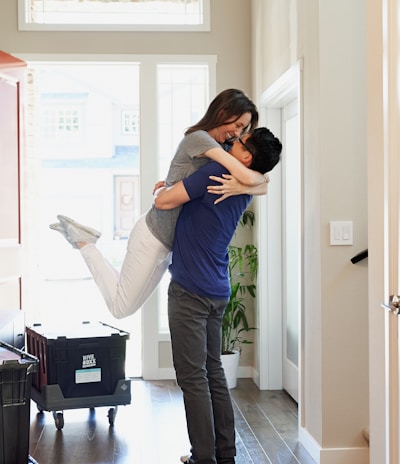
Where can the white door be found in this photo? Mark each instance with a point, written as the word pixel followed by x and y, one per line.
pixel 83 160
pixel 383 227
pixel 391 208
pixel 12 91
pixel 291 247
pixel 279 232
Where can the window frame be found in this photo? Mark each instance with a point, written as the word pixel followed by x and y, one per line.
pixel 24 25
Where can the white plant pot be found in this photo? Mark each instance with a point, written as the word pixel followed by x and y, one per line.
pixel 230 363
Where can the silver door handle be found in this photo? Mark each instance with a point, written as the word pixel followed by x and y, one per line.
pixel 394 304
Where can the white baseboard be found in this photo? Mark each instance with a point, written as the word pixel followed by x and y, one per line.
pixel 345 456
pixel 332 455
pixel 245 372
pixel 310 444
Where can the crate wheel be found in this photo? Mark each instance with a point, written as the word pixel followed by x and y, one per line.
pixel 112 412
pixel 58 420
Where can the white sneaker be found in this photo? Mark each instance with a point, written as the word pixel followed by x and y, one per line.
pixel 78 232
pixel 59 228
pixel 186 459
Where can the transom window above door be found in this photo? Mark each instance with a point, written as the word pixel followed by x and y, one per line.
pixel 114 15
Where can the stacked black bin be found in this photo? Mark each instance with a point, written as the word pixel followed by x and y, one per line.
pixel 16 368
pixel 80 366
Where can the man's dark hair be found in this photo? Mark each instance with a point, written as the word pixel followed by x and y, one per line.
pixel 265 148
pixel 228 106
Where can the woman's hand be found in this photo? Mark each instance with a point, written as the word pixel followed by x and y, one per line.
pixel 159 184
pixel 228 186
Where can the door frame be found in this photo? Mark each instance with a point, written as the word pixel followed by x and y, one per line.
pixel 269 344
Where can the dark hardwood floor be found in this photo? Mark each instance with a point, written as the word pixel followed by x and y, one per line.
pixel 152 429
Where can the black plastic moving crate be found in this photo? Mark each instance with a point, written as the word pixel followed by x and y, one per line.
pixel 80 366
pixel 16 369
pixel 85 360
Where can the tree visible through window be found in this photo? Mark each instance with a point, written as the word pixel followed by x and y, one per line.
pixel 133 14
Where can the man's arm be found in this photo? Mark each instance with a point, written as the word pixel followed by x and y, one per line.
pixel 171 197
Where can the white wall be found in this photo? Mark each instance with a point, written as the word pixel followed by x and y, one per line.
pixel 329 38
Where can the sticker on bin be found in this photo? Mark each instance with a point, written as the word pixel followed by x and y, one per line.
pixel 88 375
pixel 88 360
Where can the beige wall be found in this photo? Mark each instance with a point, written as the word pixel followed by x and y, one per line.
pixel 329 38
pixel 229 39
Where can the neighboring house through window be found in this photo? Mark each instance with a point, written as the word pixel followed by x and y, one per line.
pixel 130 122
pixel 62 121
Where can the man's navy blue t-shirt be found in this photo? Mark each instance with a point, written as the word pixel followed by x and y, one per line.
pixel 202 235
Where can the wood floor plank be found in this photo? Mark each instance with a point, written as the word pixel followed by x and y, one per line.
pixel 249 449
pixel 272 416
pixel 263 429
pixel 152 429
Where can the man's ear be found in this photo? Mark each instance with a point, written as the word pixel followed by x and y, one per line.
pixel 247 158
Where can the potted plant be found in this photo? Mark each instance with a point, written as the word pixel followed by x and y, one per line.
pixel 242 270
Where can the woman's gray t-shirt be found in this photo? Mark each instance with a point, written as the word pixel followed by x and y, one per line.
pixel 188 158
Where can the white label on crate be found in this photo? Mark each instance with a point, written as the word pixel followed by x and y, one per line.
pixel 88 375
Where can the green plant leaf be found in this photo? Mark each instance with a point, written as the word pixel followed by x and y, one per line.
pixel 242 269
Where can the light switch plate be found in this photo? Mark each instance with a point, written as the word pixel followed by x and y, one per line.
pixel 341 232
